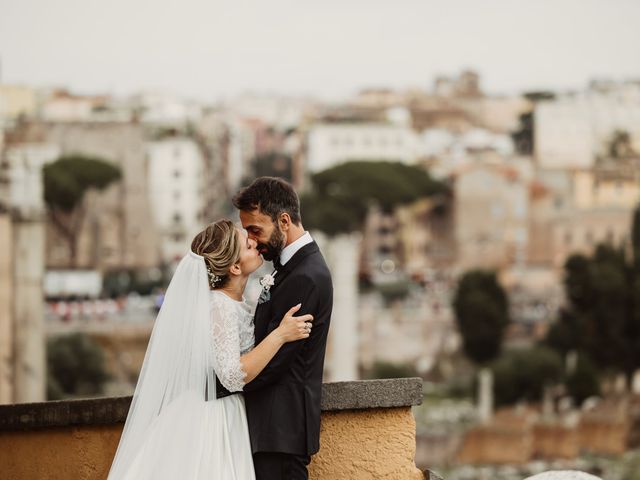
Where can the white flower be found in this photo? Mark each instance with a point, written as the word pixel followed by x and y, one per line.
pixel 268 280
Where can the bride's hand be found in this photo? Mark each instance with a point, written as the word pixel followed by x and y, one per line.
pixel 295 328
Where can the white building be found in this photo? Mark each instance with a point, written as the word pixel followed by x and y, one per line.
pixel 22 241
pixel 176 189
pixel 447 152
pixel 572 129
pixel 25 162
pixel 332 144
pixel 165 109
pixel 279 111
pixel 491 216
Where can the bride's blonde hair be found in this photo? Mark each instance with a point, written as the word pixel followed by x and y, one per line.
pixel 219 244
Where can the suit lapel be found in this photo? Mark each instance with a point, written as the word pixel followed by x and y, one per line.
pixel 293 262
pixel 262 316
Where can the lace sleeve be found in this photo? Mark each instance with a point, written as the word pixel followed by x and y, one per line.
pixel 226 345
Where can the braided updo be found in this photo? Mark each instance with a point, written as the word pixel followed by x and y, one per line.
pixel 219 244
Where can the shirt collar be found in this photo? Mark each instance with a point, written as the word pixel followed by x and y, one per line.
pixel 291 249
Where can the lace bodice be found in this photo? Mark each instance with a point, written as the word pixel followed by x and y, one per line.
pixel 232 331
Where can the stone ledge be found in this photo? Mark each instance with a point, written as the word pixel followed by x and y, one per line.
pixel 364 394
pixel 358 395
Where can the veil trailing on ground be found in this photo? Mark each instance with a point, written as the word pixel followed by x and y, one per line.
pixel 176 379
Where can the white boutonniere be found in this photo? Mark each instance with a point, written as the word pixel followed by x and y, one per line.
pixel 267 282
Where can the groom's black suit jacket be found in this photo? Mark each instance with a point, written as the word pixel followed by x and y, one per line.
pixel 283 401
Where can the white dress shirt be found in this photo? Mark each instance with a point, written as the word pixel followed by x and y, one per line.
pixel 291 249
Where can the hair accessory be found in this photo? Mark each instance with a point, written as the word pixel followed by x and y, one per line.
pixel 214 279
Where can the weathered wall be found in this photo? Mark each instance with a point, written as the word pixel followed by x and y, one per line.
pixel 78 453
pixel 367 433
pixel 496 446
pixel 356 445
pixel 517 438
pixel 607 438
pixel 367 444
pixel 555 441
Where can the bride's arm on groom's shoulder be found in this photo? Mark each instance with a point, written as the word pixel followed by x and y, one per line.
pixel 309 297
pixel 290 329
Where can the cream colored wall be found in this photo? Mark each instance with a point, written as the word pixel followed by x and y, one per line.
pixel 16 100
pixel 609 193
pixel 376 444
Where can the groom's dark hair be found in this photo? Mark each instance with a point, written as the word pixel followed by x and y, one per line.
pixel 272 196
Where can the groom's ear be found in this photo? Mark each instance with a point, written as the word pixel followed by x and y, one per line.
pixel 285 221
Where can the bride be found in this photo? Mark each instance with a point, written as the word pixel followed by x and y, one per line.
pixel 176 428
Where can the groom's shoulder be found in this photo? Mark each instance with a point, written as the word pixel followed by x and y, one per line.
pixel 313 269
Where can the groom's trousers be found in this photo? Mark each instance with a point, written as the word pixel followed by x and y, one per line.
pixel 280 466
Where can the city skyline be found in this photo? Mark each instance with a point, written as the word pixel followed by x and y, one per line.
pixel 213 50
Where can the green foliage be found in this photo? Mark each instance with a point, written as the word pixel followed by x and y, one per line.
pixel 340 197
pixel 394 290
pixel 523 136
pixel 391 370
pixel 620 145
pixel 567 334
pixel 482 314
pixel 67 179
pixel 121 282
pixel 75 367
pixel 583 382
pixel 635 235
pixel 523 374
pixel 602 317
pixel 273 164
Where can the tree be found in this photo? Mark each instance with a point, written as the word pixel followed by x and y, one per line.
pixel 75 367
pixel 635 235
pixel 523 137
pixel 391 370
pixel 602 316
pixel 524 374
pixel 273 164
pixel 66 181
pixel 482 314
pixel 340 197
pixel 583 381
pixel 620 145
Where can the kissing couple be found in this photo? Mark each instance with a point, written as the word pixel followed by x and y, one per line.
pixel 224 394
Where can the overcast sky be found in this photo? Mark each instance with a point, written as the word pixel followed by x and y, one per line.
pixel 208 49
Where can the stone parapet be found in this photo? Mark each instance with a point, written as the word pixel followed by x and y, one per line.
pixel 368 432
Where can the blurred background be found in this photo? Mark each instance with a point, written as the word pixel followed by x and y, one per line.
pixel 471 171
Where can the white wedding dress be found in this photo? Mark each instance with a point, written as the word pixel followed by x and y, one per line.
pixel 193 438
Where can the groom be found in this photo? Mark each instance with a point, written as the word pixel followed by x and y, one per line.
pixel 283 401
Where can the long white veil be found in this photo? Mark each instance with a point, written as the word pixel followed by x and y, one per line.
pixel 176 379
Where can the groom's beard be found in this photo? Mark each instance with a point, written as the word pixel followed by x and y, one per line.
pixel 272 249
